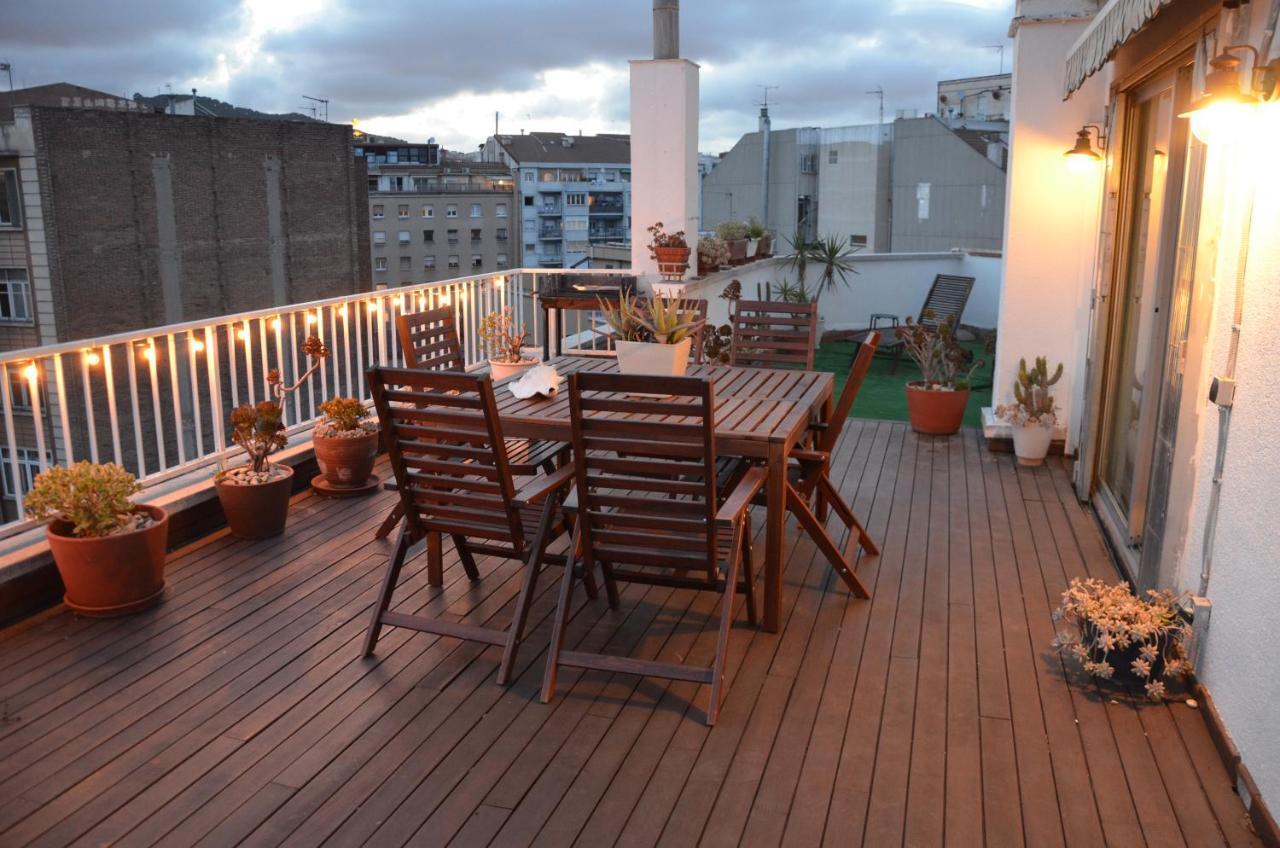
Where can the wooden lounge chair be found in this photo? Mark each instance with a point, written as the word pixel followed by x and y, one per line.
pixel 453 475
pixel 947 298
pixel 773 334
pixel 429 340
pixel 646 510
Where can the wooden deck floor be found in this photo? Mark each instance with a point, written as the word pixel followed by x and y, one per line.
pixel 238 713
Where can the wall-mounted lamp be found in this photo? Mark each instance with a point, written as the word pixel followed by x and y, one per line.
pixel 1082 156
pixel 1225 110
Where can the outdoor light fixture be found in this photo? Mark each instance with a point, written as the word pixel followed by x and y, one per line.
pixel 197 345
pixel 91 358
pixel 1082 156
pixel 1224 111
pixel 242 335
pixel 31 372
pixel 342 310
pixel 275 324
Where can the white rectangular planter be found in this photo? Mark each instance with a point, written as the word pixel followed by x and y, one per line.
pixel 651 358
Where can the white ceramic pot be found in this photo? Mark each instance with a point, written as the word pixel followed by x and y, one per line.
pixel 1031 442
pixel 662 360
pixel 502 370
pixel 752 244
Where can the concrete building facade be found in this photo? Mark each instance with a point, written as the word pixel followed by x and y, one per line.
pixel 572 191
pixel 732 190
pixel 435 215
pixel 975 99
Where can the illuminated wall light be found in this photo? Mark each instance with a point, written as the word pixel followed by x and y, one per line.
pixel 1082 158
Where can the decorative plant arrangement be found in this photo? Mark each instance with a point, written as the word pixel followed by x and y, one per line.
pixel 504 340
pixel 1123 637
pixel 346 444
pixel 755 237
pixel 734 235
pixel 1033 413
pixel 255 496
pixel 936 403
pixel 670 250
pixel 652 334
pixel 109 551
pixel 713 253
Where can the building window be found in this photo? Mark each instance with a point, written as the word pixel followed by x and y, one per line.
pixel 15 295
pixel 501 234
pixel 453 260
pixel 429 236
pixel 402 211
pixel 380 263
pixel 833 156
pixel 379 237
pixel 428 211
pixel 406 263
pixel 922 200
pixel 453 236
pixel 528 200
pixel 475 235
pixel 451 211
pixel 858 239
pixel 10 211
pixel 28 468
pixel 502 260
pixel 626 176
pixel 576 198
pixel 378 212
pixel 530 176
pixel 530 248
pixel 19 389
pixel 428 262
pixel 500 211
pixel 476 211
pixel 373 184
pixel 404 236
pixel 477 261
pixel 808 163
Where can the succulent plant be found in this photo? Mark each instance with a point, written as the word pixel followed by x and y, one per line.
pixel 344 413
pixel 943 362
pixel 669 320
pixel 1032 401
pixel 503 338
pixel 94 498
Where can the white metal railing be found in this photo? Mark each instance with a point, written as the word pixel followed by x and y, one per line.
pixel 157 400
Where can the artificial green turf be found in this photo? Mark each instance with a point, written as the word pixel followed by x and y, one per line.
pixel 882 395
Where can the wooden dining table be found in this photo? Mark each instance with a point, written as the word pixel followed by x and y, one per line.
pixel 761 414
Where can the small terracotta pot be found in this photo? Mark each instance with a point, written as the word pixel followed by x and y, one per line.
pixel 111 575
pixel 934 412
pixel 737 251
pixel 258 511
pixel 502 370
pixel 346 463
pixel 672 261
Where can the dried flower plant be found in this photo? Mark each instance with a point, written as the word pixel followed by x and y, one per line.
pixel 713 252
pixel 503 338
pixel 1118 632
pixel 93 498
pixel 944 364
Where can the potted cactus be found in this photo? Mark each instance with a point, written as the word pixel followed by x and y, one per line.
pixel 936 403
pixel 504 342
pixel 108 550
pixel 652 335
pixel 1033 413
pixel 346 445
pixel 255 496
pixel 670 250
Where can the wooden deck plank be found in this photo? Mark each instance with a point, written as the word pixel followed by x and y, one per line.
pixel 238 711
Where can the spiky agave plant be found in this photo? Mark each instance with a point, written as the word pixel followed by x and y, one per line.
pixel 623 319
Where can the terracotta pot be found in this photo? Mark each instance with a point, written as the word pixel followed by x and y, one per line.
pixel 765 248
pixel 502 370
pixel 663 360
pixel 346 463
pixel 935 412
pixel 737 251
pixel 258 511
pixel 1031 442
pixel 672 261
pixel 111 575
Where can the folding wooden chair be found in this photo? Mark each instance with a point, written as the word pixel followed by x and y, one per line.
pixel 429 340
pixel 445 444
pixel 773 334
pixel 646 511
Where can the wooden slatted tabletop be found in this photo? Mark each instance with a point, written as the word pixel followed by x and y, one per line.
pixel 761 414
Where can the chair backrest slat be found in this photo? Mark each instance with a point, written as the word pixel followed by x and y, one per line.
pixel 646 470
pixel 444 441
pixel 946 299
pixel 770 333
pixel 430 341
pixel 857 373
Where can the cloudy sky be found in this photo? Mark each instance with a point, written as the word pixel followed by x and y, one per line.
pixel 419 68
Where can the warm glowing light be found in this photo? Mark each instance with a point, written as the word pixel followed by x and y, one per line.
pixel 31 372
pixel 91 358
pixel 444 299
pixel 342 310
pixel 275 324
pixel 500 281
pixel 311 319
pixel 422 302
pixel 242 335
pixel 1078 164
pixel 197 345
pixel 149 353
pixel 375 306
pixel 1222 120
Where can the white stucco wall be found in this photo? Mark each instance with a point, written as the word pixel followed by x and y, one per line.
pixel 892 283
pixel 1051 214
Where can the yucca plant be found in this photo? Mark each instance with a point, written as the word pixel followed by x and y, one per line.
pixel 623 319
pixel 669 320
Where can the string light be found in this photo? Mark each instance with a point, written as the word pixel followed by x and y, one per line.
pixel 342 310
pixel 31 372
pixel 149 353
pixel 242 335
pixel 311 319
pixel 91 358
pixel 197 345
pixel 275 324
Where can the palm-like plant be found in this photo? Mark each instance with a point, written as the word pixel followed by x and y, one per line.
pixel 830 254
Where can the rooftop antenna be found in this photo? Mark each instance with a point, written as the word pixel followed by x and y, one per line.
pixel 323 106
pixel 495 122
pixel 999 48
pixel 878 91
pixel 764 102
pixel 8 69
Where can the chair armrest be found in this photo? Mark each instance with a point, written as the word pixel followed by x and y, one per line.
pixel 804 455
pixel 742 496
pixel 544 484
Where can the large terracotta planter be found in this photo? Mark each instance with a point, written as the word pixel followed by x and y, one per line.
pixel 765 248
pixel 258 511
pixel 346 463
pixel 662 360
pixel 672 261
pixel 737 251
pixel 935 412
pixel 111 575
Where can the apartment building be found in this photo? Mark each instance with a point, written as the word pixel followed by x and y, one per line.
pixel 574 191
pixel 114 218
pixel 434 214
